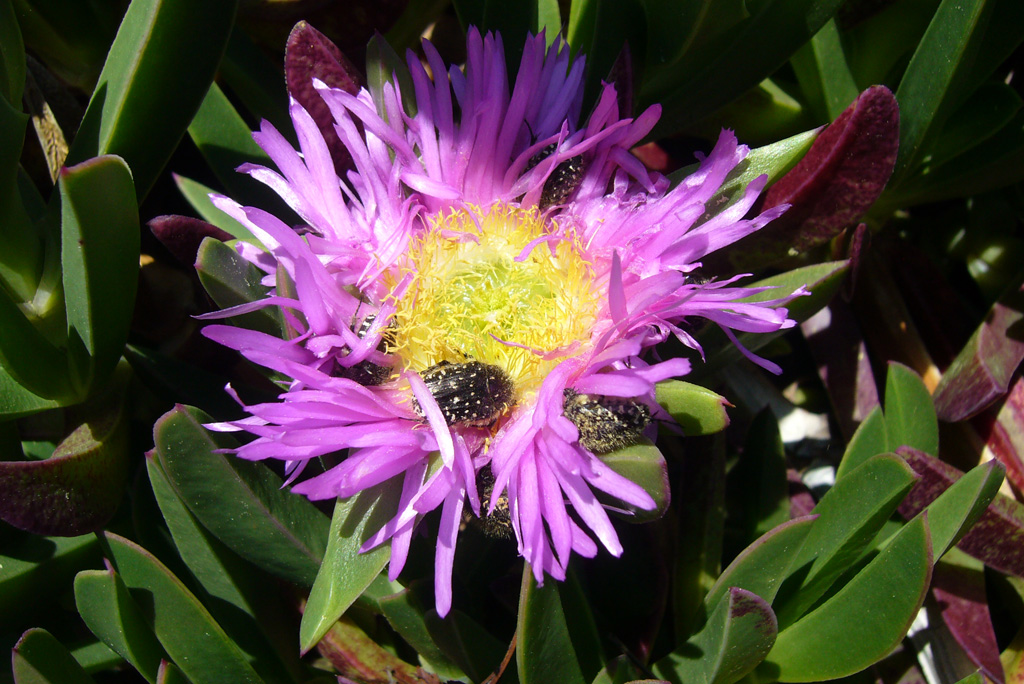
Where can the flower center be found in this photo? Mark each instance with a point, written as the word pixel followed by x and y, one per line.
pixel 497 286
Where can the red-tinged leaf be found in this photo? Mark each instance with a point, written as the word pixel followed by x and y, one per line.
pixel 1004 436
pixel 981 373
pixel 78 489
pixel 310 54
pixel 960 592
pixel 835 183
pixel 354 654
pixel 182 235
pixel 997 539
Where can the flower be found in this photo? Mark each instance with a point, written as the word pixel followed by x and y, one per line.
pixel 469 305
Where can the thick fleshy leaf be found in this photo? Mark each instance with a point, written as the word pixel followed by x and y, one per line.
pixel 1005 437
pixel 997 538
pixel 735 640
pixel 241 503
pixel 956 510
pixel 169 673
pixel 823 73
pixel 345 572
pixel 225 141
pixel 831 187
pixel 544 652
pixel 198 195
pixel 909 413
pixel 100 263
pixel 869 440
pixel 16 401
pixel 110 612
pixel 864 620
pixel 127 115
pixel 959 589
pixel 406 614
pixel 934 81
pixel 356 655
pixel 774 161
pixel 38 658
pixel 696 409
pixel 383 65
pixel 982 371
pixel 234 593
pixel 729 62
pixel 822 280
pixel 195 642
pixel 644 465
pixel 33 565
pixel 31 363
pixel 466 642
pixel 761 567
pixel 182 235
pixel 230 280
pixel 79 488
pixel 310 55
pixel 849 516
pixel 987 111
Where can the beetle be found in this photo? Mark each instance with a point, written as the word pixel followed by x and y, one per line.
pixel 605 424
pixel 472 393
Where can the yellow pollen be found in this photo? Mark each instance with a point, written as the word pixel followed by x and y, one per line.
pixel 470 297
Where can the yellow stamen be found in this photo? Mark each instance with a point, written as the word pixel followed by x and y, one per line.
pixel 469 294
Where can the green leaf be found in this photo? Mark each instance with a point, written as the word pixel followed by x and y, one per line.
pixel 644 465
pixel 761 567
pixel 849 516
pixel 720 70
pixel 407 616
pixel 225 141
pixel 31 362
pixel 909 413
pixel 240 502
pixel 231 280
pixel 38 658
pixel 696 409
pixel 544 652
pixel 821 280
pixel 79 488
pixel 195 642
pixel 954 512
pixel 100 260
pixel 198 195
pixel 170 674
pixel 110 612
pixel 345 572
pixel 467 643
pixel 869 440
pixel 735 640
pixel 863 621
pixel 147 92
pixel 96 656
pixel 12 55
pixel 823 74
pixel 235 594
pixel 32 565
pixel 936 74
pixel 21 263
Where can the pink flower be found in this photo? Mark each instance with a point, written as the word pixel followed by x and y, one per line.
pixel 471 303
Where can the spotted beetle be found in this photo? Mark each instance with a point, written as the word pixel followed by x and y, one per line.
pixel 473 393
pixel 605 424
